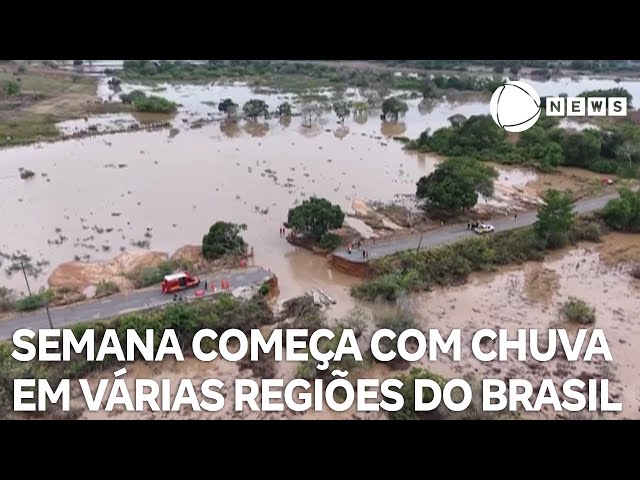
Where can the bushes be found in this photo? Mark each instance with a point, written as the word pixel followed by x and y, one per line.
pixel 329 241
pixel 576 310
pixel 154 104
pixel 408 271
pixel 132 96
pixel 223 238
pixel 33 302
pixel 587 228
pixel 185 318
pixel 624 213
pixel 11 88
pixel 106 288
pixel 408 391
pixel 147 276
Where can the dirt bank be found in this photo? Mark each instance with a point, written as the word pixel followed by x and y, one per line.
pixel 80 275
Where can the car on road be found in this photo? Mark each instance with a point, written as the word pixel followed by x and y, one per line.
pixel 179 281
pixel 484 228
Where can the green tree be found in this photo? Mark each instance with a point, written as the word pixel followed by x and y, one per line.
pixel 581 149
pixel 154 104
pixel 228 106
pixel 341 110
pixel 284 109
pixel 255 108
pixel 223 238
pixel 457 120
pixel 455 184
pixel 392 108
pixel 624 213
pixel 556 219
pixel 315 217
pixel 11 88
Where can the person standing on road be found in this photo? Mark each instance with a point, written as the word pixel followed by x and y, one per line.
pixel 206 285
pixel 515 217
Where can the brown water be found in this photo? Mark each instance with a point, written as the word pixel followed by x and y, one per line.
pixel 103 193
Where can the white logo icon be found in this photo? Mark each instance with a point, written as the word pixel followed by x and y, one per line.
pixel 515 106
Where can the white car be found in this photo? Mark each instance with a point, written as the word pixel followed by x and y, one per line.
pixel 484 228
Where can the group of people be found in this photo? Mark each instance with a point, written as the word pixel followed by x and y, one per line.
pixel 472 224
pixel 283 232
pixel 358 245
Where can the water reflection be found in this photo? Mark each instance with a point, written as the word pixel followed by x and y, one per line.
pixel 230 128
pixel 285 122
pixel 393 129
pixel 360 117
pixel 255 128
pixel 341 132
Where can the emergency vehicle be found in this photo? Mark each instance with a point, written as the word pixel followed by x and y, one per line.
pixel 179 281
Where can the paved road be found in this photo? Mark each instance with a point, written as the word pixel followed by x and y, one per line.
pixel 123 303
pixel 451 233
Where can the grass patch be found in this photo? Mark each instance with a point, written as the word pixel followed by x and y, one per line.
pixel 34 302
pixel 147 276
pixel 106 288
pixel 577 310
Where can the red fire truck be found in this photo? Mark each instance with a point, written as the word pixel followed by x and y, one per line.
pixel 179 281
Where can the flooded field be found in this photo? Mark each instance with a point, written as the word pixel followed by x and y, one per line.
pixel 94 197
pixel 528 297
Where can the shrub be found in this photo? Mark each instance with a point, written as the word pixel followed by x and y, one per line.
pixel 131 97
pixel 590 231
pixel 7 300
pixel 577 310
pixel 11 88
pixel 154 104
pixel 408 391
pixel 635 271
pixel 264 290
pixel 329 241
pixel 624 213
pixel 106 288
pixel 33 302
pixel 147 276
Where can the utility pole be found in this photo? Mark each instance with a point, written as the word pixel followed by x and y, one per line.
pixel 419 243
pixel 25 276
pixel 46 307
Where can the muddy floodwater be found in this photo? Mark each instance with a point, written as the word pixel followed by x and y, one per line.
pixel 529 296
pixel 94 197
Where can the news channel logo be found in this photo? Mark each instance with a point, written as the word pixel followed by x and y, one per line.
pixel 515 106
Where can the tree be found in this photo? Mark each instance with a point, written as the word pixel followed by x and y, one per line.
pixel 624 213
pixel 455 184
pixel 556 219
pixel 223 238
pixel 628 150
pixel 428 90
pixel 228 106
pixel 315 217
pixel 255 108
pixel 284 110
pixel 392 108
pixel 11 88
pixel 132 96
pixel 457 120
pixel 310 113
pixel 581 149
pixel 342 110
